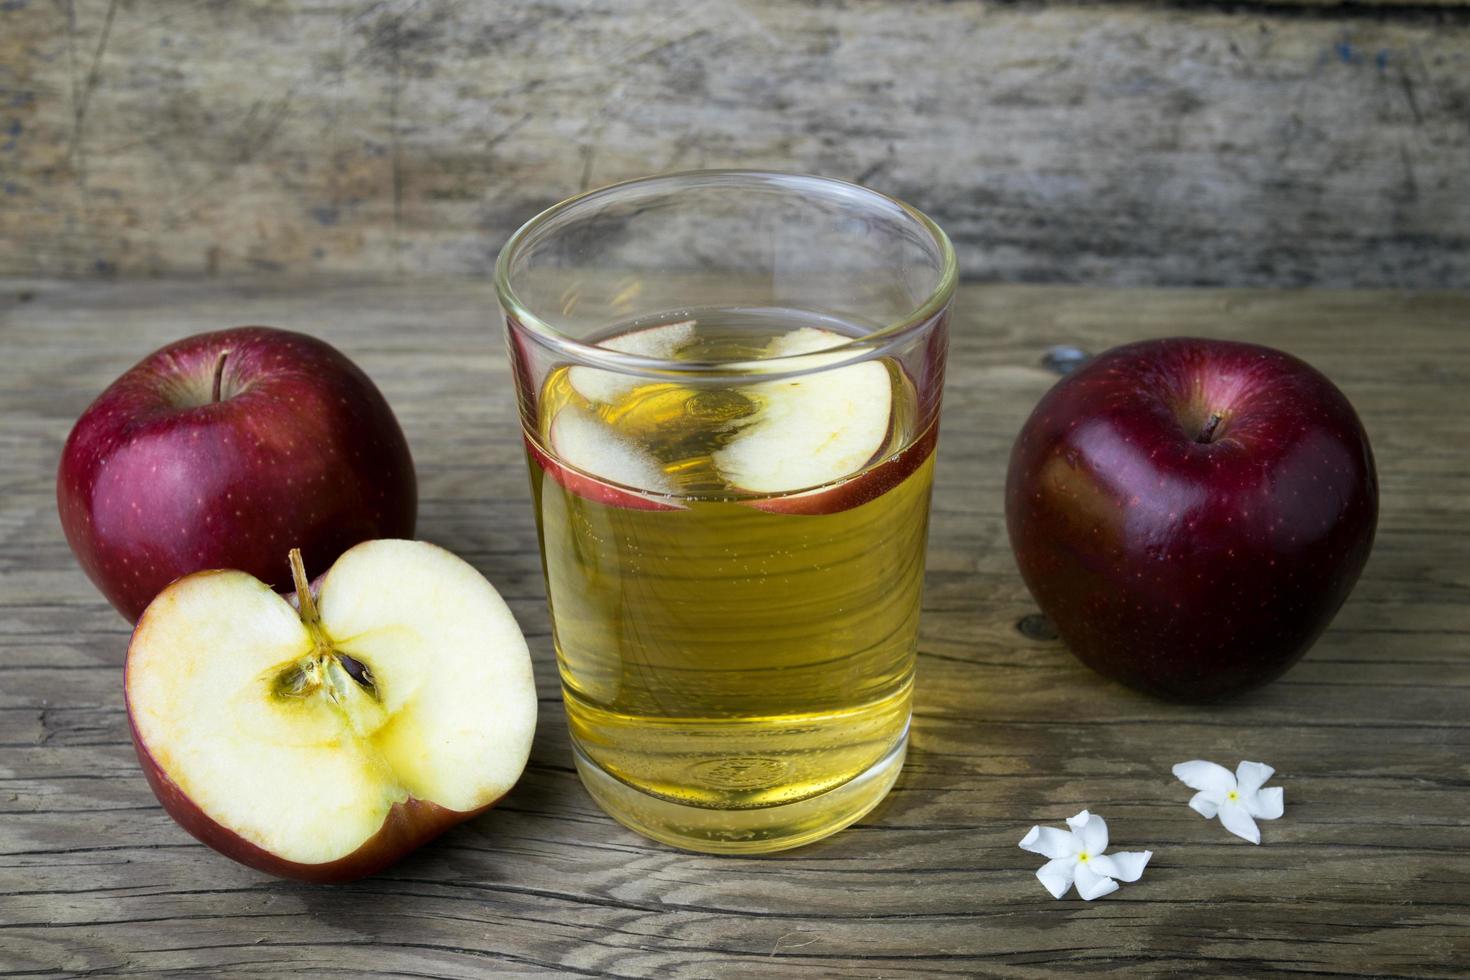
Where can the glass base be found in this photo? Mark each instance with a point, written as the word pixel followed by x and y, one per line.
pixel 755 831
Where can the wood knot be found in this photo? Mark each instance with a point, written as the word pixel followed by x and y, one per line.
pixel 1036 627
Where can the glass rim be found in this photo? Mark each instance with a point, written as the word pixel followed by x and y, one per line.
pixel 873 344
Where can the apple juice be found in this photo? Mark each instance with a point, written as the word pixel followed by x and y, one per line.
pixel 723 648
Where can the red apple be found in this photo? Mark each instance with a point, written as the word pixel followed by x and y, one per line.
pixel 1191 513
pixel 324 742
pixel 223 450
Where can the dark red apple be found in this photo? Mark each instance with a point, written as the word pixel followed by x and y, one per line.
pixel 224 450
pixel 1192 513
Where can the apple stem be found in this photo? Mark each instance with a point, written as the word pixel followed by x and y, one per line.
pixel 1207 434
pixel 304 600
pixel 219 375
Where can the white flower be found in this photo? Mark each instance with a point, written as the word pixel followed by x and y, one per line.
pixel 1077 856
pixel 1237 799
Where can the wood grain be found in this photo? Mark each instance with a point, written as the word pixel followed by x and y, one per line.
pixel 1127 144
pixel 1366 875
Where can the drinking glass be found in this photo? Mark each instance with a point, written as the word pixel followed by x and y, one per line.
pixel 729 386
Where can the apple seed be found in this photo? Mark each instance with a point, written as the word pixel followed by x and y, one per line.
pixel 296 681
pixel 358 671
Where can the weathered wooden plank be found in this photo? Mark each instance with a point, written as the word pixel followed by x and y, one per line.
pixel 1269 144
pixel 1366 875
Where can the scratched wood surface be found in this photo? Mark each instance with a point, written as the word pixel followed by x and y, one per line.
pixel 1215 143
pixel 1367 874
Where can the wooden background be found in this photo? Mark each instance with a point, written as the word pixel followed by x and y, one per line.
pixel 1367 874
pixel 1272 144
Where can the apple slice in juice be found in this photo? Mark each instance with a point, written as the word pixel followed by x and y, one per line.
pixel 663 342
pixel 812 430
pixel 783 445
pixel 589 451
pixel 585 450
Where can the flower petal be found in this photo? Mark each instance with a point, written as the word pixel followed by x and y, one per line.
pixel 1057 875
pixel 1050 842
pixel 1207 776
pixel 1266 805
pixel 1206 804
pixel 1250 775
pixel 1236 819
pixel 1092 885
pixel 1123 865
pixel 1092 835
pixel 1079 821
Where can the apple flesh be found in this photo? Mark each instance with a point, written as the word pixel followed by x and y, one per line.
pixel 589 457
pixel 877 481
pixel 812 429
pixel 587 444
pixel 324 744
pixel 588 487
pixel 223 450
pixel 662 342
pixel 1191 513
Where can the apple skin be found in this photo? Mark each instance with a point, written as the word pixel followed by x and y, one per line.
pixel 1192 570
pixel 408 826
pixel 157 480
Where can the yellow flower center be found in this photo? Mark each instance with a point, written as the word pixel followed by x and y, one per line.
pixel 1082 856
pixel 1233 796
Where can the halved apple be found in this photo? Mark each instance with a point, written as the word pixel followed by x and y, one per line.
pixel 327 743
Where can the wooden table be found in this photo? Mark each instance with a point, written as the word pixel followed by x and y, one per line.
pixel 1366 874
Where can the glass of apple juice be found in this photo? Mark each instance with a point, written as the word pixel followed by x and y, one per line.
pixel 729 387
